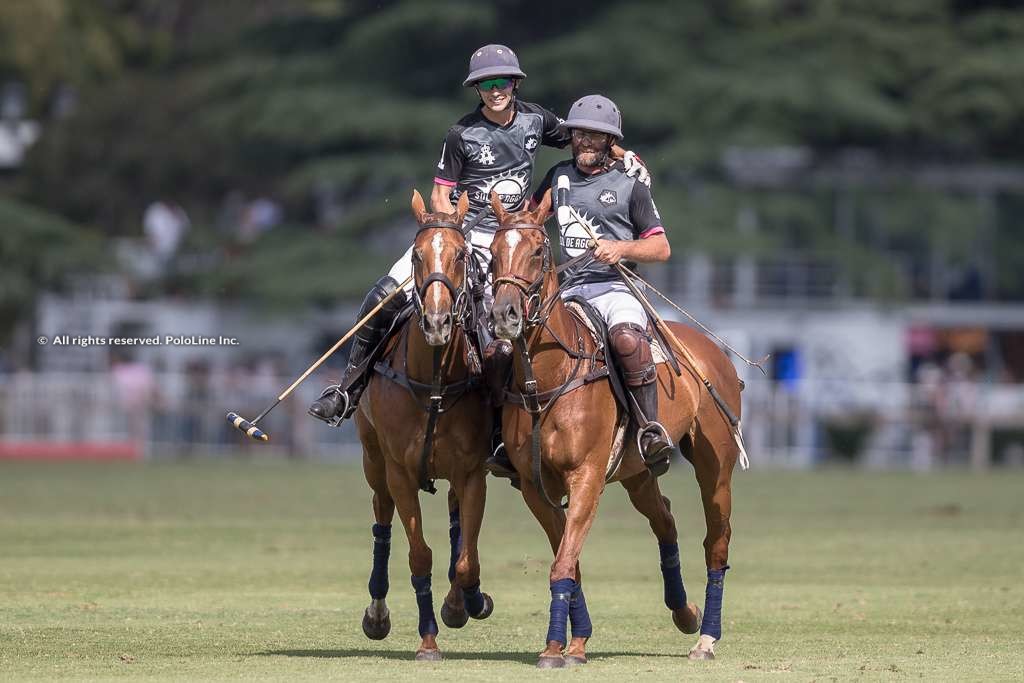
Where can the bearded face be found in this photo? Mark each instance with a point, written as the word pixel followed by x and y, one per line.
pixel 590 149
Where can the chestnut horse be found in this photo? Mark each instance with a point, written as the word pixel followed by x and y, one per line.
pixel 577 429
pixel 424 416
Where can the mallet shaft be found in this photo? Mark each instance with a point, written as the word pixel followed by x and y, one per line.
pixel 362 321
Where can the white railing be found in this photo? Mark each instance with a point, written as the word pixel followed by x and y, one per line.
pixel 800 424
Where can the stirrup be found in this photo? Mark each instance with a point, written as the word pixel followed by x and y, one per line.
pixel 339 415
pixel 658 463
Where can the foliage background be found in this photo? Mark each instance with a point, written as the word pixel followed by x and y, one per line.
pixel 291 99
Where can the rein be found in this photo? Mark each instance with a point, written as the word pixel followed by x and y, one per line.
pixel 530 398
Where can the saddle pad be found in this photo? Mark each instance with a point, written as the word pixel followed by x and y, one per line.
pixel 657 353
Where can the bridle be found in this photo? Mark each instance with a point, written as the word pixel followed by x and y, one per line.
pixel 460 295
pixel 529 290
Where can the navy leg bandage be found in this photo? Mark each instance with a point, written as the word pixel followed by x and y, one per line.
pixel 455 537
pixel 712 623
pixel 425 603
pixel 561 592
pixel 473 599
pixel 675 593
pixel 579 615
pixel 381 552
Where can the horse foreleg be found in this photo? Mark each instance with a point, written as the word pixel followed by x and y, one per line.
pixel 406 495
pixel 645 495
pixel 553 523
pixel 713 468
pixel 454 532
pixel 584 486
pixel 467 570
pixel 377 617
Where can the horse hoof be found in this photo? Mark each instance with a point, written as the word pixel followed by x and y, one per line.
pixel 551 662
pixel 488 608
pixel 376 629
pixel 428 655
pixel 575 660
pixel 453 618
pixel 698 655
pixel 687 619
pixel 704 650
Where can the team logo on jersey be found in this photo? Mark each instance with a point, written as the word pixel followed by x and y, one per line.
pixel 531 142
pixel 486 156
pixel 510 186
pixel 575 238
pixel 607 197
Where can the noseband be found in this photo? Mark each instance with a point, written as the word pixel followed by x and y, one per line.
pixel 460 295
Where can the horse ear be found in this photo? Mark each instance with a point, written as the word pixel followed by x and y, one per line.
pixel 463 206
pixel 499 209
pixel 540 214
pixel 419 210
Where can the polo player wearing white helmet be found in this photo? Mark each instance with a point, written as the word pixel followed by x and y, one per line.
pixel 493 148
pixel 621 212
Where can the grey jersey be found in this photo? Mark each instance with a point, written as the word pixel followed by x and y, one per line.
pixel 615 207
pixel 479 156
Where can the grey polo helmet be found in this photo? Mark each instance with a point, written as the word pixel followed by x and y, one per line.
pixel 492 61
pixel 595 112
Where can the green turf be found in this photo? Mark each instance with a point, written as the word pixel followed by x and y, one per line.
pixel 258 570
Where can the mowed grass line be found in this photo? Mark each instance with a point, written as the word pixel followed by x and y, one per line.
pixel 258 570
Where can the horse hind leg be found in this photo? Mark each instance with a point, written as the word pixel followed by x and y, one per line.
pixel 714 467
pixel 453 611
pixel 473 602
pixel 645 495
pixel 377 617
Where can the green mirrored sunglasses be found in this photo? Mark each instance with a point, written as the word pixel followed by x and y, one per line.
pixel 499 83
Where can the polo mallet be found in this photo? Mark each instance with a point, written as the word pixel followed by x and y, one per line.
pixel 250 428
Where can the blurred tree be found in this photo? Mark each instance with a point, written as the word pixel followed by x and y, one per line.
pixel 39 250
pixel 345 103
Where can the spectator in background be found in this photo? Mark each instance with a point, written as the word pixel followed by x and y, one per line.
pixel 164 225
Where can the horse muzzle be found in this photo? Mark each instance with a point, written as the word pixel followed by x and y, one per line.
pixel 507 319
pixel 437 327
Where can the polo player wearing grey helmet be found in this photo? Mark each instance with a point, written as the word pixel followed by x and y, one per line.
pixel 491 148
pixel 621 212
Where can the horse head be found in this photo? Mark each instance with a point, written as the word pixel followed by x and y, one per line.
pixel 439 259
pixel 520 258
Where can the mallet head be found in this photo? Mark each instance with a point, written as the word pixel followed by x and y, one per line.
pixel 249 428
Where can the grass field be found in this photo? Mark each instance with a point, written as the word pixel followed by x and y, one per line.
pixel 258 570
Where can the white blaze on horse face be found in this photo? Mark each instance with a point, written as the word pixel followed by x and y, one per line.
pixel 437 243
pixel 512 239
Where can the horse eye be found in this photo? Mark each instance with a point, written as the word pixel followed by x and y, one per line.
pixel 460 255
pixel 539 251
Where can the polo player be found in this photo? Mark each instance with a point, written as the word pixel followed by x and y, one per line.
pixel 621 212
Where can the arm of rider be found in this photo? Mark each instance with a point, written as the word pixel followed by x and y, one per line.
pixel 440 199
pixel 635 166
pixel 647 250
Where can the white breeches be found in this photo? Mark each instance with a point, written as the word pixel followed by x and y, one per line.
pixel 613 300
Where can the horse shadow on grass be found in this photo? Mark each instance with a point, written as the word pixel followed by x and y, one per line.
pixel 407 655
